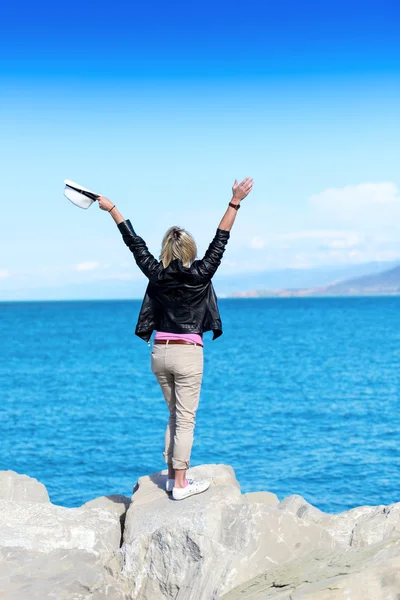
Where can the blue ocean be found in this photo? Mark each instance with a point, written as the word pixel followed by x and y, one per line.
pixel 300 396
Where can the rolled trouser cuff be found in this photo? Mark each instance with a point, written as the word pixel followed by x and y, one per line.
pixel 180 465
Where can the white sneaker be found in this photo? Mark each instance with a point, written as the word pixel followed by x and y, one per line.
pixel 169 485
pixel 192 488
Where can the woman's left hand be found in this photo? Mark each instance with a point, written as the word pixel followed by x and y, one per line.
pixel 105 203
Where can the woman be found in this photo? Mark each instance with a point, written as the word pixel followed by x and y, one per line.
pixel 180 305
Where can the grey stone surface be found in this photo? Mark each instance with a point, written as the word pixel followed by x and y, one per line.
pixel 116 504
pixel 46 527
pixel 18 488
pixel 48 551
pixel 203 546
pixel 368 573
pixel 59 575
pixel 366 568
pixel 262 498
pixel 218 544
pixel 358 527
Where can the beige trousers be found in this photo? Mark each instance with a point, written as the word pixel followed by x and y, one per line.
pixel 179 371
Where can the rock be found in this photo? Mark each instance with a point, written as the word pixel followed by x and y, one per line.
pixel 367 568
pixel 296 505
pixel 370 573
pixel 202 547
pixel 357 527
pixel 116 504
pixel 19 488
pixel 247 546
pixel 263 498
pixel 58 575
pixel 46 527
pixel 374 526
pixel 48 551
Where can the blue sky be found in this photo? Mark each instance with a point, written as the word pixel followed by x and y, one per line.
pixel 161 106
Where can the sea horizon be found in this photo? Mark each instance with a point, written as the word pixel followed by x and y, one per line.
pixel 139 299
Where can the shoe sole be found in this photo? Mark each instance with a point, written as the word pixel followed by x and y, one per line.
pixel 190 495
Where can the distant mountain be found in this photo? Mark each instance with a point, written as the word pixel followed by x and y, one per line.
pixel 387 282
pixel 284 279
pixel 375 284
pixel 282 282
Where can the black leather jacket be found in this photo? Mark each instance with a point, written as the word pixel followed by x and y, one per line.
pixel 178 299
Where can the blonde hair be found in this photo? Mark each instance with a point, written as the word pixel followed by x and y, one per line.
pixel 178 243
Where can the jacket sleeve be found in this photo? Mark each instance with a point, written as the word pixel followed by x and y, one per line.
pixel 208 265
pixel 144 259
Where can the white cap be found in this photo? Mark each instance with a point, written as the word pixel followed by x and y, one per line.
pixel 79 195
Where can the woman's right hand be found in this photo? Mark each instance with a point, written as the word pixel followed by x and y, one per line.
pixel 241 190
pixel 105 203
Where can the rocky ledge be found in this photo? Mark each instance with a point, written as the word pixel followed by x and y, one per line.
pixel 221 544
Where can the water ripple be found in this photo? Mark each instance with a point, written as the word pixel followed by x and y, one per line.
pixel 300 396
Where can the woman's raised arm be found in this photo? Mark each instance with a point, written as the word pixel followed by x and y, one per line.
pixel 239 192
pixel 208 265
pixel 144 259
pixel 107 205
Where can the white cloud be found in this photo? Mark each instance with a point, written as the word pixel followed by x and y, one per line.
pixel 104 271
pixel 135 276
pixel 326 237
pixel 357 201
pixel 346 240
pixel 348 225
pixel 88 266
pixel 4 273
pixel 257 242
pixel 352 224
